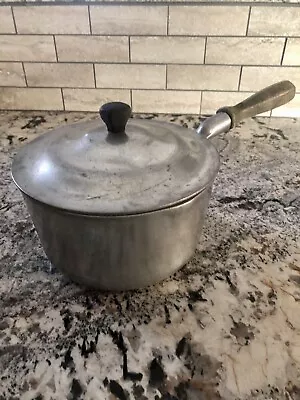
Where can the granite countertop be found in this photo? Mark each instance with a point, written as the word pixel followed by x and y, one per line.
pixel 226 326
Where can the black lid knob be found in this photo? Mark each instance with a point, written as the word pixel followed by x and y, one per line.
pixel 115 116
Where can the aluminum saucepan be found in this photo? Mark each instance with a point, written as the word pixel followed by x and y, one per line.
pixel 121 205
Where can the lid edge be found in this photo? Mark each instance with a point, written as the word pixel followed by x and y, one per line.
pixel 202 184
pixel 93 214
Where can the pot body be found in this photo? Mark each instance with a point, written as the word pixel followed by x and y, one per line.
pixel 120 252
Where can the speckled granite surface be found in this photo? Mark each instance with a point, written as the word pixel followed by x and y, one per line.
pixel 226 326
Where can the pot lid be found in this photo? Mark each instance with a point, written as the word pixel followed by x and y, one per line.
pixel 121 168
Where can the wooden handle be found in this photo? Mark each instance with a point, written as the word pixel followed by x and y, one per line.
pixel 265 100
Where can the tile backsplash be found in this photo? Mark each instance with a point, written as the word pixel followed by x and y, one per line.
pixel 159 58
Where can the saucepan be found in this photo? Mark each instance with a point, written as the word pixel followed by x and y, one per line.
pixel 120 203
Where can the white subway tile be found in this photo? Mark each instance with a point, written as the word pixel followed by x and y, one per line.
pixel 92 99
pixel 244 50
pixel 11 74
pixel 292 52
pixel 52 19
pixel 256 78
pixel 129 19
pixel 162 101
pixel 130 76
pixel 30 99
pixel 274 20
pixel 59 75
pixel 6 20
pixel 92 48
pixel 203 77
pixel 167 49
pixel 208 20
pixel 27 48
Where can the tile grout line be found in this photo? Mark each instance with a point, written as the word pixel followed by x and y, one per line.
pixel 105 35
pixel 90 22
pixel 62 98
pixel 94 72
pixel 163 3
pixel 205 46
pixel 201 97
pixel 14 20
pixel 154 63
pixel 248 22
pixel 166 87
pixel 130 95
pixel 129 50
pixel 56 54
pixel 136 89
pixel 283 50
pixel 240 79
pixel 25 77
pixel 168 19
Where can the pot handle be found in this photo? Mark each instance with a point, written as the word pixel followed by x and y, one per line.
pixel 115 115
pixel 265 100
